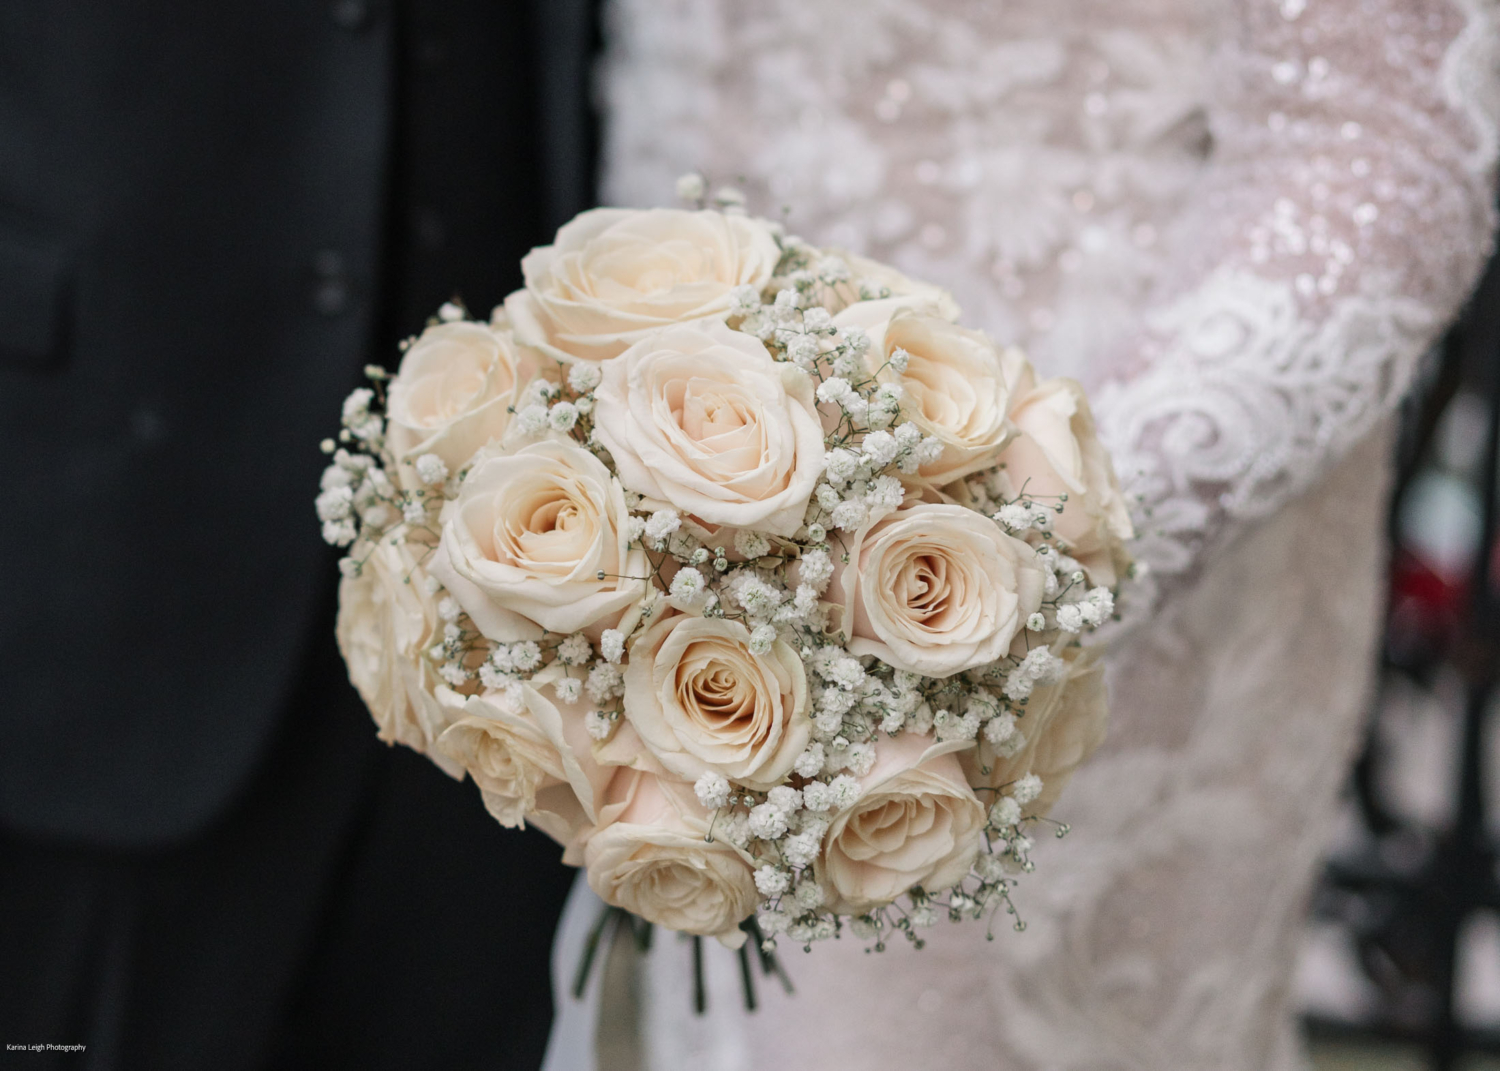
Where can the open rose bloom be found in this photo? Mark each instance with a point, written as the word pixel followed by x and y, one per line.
pixel 740 568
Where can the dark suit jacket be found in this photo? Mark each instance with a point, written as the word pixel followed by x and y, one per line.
pixel 195 220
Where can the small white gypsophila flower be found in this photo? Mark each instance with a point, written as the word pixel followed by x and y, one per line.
pixel 846 672
pixel 751 544
pixel 575 650
pixel 900 359
pixel 888 396
pixel 850 514
pixel 1014 516
pixel 772 881
pixel 339 533
pixel 755 595
pixel 892 721
pixel 816 568
pixel 855 338
pixel 743 300
pixel 532 420
pixel 452 632
pixel 598 724
pixel 357 405
pixel 816 533
pixel 841 465
pixel 526 655
pixel 712 790
pixel 1036 622
pixel 827 497
pixel 691 187
pixel 826 724
pixel 1005 812
pixel 335 476
pixel 612 644
pixel 1040 664
pixel 817 796
pixel 661 524
pixel 761 639
pixel 448 609
pixel 432 585
pixel 772 922
pixel 1018 685
pixel 567 689
pixel 562 416
pixel 584 376
pixel 785 797
pixel 817 320
pixel 954 727
pixel 881 448
pixel 450 312
pixel 845 791
pixel 494 678
pixel 334 504
pixel 810 762
pixel 864 928
pixel 431 469
pixel 860 758
pixel 1103 601
pixel 349 567
pixel 831 270
pixel 885 493
pixel 801 849
pixel 605 682
pixel 1027 789
pixel 688 586
pixel 1070 617
pixel 834 390
pixel 809 895
pixel 1000 728
pixel 635 528
pixel 414 511
pixel 453 673
pixel 767 822
pixel 802 351
pixel 729 197
pixel 989 868
pixel 845 364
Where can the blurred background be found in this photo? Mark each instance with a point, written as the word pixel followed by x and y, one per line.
pixel 1400 967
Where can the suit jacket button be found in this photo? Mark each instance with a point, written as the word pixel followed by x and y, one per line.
pixel 330 289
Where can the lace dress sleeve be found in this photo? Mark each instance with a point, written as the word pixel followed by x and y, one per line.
pixel 1344 215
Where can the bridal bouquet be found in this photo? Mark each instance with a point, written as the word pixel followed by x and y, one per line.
pixel 739 568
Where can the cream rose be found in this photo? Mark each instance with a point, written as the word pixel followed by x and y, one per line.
pixel 525 541
pixel 453 393
pixel 614 275
pixel 1062 725
pixel 1058 453
pixel 702 701
pixel 956 387
pixel 386 623
pixel 701 419
pixel 916 823
pixel 531 757
pixel 651 855
pixel 936 589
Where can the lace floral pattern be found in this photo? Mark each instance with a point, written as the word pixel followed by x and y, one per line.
pixel 1240 222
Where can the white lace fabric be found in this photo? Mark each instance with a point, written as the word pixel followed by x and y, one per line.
pixel 1241 223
